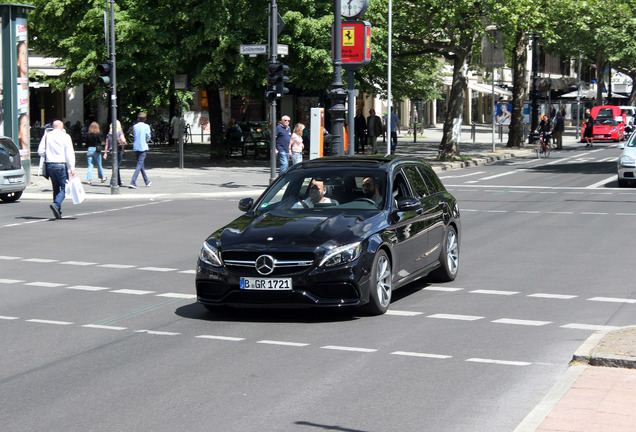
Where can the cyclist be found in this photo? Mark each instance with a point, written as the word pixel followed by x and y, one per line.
pixel 545 130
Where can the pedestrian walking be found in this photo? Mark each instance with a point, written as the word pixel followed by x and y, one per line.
pixel 588 134
pixel 296 144
pixel 56 147
pixel 141 132
pixel 374 130
pixel 558 128
pixel 360 131
pixel 283 137
pixel 177 130
pixel 395 126
pixel 121 141
pixel 94 152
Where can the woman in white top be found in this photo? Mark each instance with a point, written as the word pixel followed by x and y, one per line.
pixel 296 145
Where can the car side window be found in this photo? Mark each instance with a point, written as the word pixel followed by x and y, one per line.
pixel 432 181
pixel 417 182
pixel 400 188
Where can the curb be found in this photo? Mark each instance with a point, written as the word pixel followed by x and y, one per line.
pixel 585 353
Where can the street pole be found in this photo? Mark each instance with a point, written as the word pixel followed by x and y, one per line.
pixel 352 103
pixel 273 35
pixel 389 96
pixel 578 103
pixel 114 144
pixel 534 104
pixel 338 93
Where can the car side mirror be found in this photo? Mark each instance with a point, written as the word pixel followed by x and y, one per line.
pixel 246 204
pixel 621 145
pixel 408 204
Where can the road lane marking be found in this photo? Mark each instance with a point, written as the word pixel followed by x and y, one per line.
pixel 500 175
pixel 45 284
pixel 601 183
pixel 188 271
pixel 78 263
pixel 494 292
pixel 403 313
pixel 592 327
pixel 8 318
pixel 223 338
pixel 159 333
pixel 282 343
pixel 521 322
pixel 40 260
pixel 498 362
pixel 117 266
pixel 103 327
pixel 553 296
pixel 11 281
pixel 132 292
pixel 41 321
pixel 418 354
pixel 348 348
pixel 612 300
pixel 177 295
pixel 158 269
pixel 463 175
pixel 446 289
pixel 87 288
pixel 9 258
pixel 456 317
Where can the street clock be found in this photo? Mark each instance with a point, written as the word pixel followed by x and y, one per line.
pixel 353 8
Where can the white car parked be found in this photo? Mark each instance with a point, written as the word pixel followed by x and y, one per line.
pixel 12 175
pixel 627 162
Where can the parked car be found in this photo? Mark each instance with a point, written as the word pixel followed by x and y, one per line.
pixel 627 162
pixel 608 123
pixel 351 247
pixel 12 174
pixel 630 118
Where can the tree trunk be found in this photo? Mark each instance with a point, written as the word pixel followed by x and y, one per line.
pixel 600 72
pixel 449 147
pixel 216 120
pixel 519 61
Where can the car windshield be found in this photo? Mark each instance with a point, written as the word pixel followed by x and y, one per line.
pixel 326 188
pixel 607 122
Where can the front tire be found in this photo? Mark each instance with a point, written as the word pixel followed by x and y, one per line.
pixel 449 258
pixel 380 285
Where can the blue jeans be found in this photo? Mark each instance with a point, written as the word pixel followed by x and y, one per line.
pixel 58 175
pixel 141 157
pixel 283 162
pixel 296 157
pixel 93 155
pixel 393 141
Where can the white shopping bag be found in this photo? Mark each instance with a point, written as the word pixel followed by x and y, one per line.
pixel 75 189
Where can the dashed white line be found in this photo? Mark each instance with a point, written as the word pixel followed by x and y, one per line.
pixel 117 266
pixel 612 300
pixel 8 318
pixel 188 271
pixel 456 317
pixel 40 260
pixel 498 362
pixel 348 348
pixel 9 258
pixel 447 289
pixel 403 313
pixel 87 288
pixel 132 292
pixel 282 343
pixel 424 355
pixel 592 327
pixel 159 333
pixel 158 269
pixel 78 263
pixel 41 321
pixel 553 296
pixel 521 322
pixel 45 284
pixel 494 292
pixel 223 338
pixel 103 327
pixel 11 281
pixel 177 295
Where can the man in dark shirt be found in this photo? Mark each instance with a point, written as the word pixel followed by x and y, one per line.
pixel 283 136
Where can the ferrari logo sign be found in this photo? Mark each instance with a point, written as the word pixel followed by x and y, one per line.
pixel 348 36
pixel 356 44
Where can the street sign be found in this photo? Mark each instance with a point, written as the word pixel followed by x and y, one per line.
pixel 355 44
pixel 255 49
pixel 492 54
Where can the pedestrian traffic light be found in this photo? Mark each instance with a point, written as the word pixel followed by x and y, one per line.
pixel 104 70
pixel 276 80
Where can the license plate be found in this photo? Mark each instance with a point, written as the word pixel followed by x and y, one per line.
pixel 15 179
pixel 274 284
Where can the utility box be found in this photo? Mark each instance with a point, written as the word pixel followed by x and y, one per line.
pixel 317 137
pixel 14 80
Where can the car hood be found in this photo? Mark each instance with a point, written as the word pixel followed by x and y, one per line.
pixel 282 230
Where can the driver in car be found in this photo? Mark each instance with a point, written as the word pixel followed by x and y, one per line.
pixel 317 191
pixel 371 190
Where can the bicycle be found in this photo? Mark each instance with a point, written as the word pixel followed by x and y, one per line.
pixel 187 136
pixel 543 146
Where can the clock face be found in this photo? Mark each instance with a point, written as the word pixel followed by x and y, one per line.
pixel 352 8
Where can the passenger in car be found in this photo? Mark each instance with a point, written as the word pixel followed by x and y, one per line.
pixel 371 190
pixel 317 191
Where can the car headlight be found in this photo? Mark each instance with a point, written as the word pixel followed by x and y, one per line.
pixel 614 129
pixel 626 160
pixel 341 255
pixel 210 255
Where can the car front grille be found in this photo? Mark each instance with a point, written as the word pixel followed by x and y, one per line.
pixel 285 263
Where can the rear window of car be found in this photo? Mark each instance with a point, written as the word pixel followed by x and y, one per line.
pixel 9 155
pixel 605 113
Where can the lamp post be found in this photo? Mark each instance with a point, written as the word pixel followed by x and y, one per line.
pixel 534 104
pixel 181 83
pixel 338 93
pixel 114 185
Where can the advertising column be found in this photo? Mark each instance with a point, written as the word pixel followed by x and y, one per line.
pixel 14 81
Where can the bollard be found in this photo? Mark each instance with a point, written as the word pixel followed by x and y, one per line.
pixel 472 131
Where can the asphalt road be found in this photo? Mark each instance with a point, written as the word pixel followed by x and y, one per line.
pixel 101 330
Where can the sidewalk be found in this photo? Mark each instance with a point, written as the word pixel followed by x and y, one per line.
pixel 238 177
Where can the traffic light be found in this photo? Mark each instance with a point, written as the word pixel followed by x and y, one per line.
pixel 276 80
pixel 104 70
